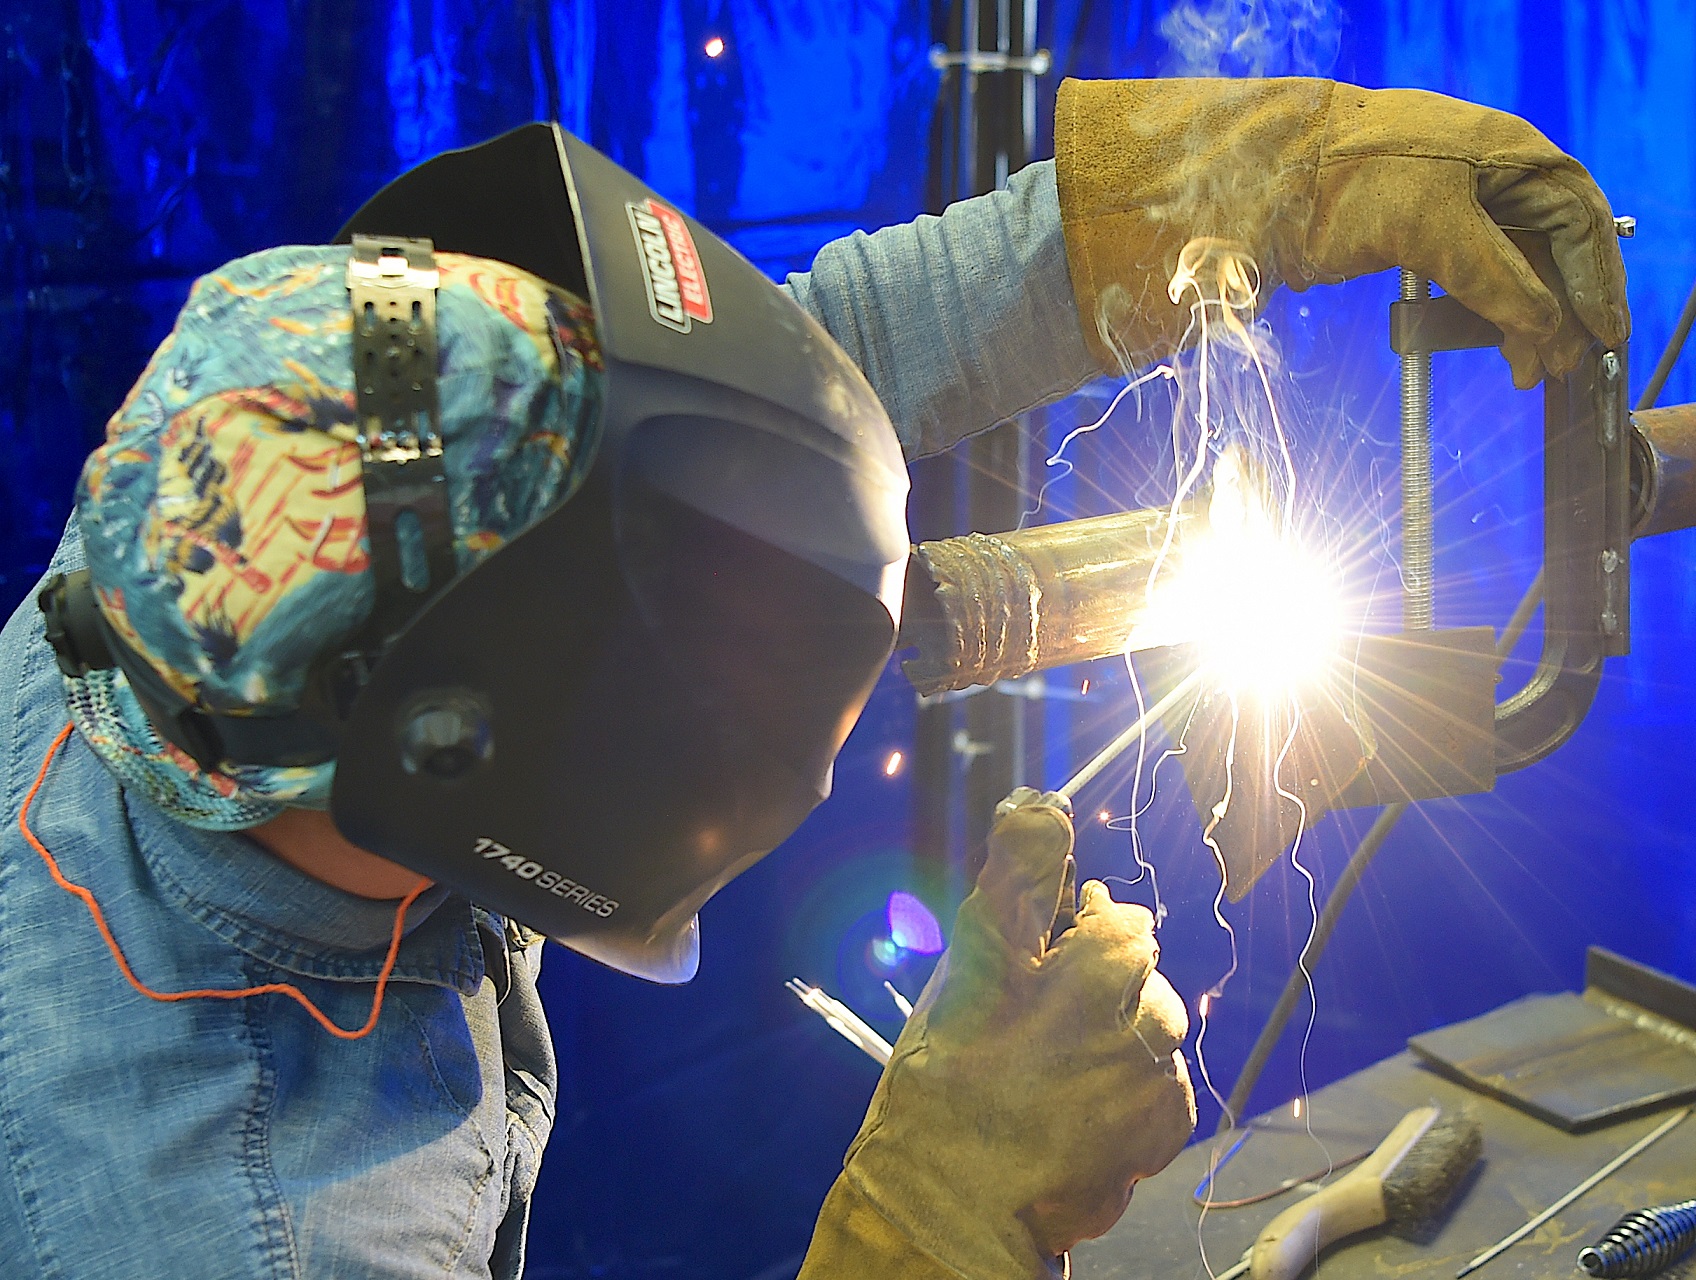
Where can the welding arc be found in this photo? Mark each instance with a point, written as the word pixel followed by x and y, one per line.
pixel 1373 840
pixel 1113 750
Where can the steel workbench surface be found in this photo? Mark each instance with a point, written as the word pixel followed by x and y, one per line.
pixel 1527 1166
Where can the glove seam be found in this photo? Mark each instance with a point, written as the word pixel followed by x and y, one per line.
pixel 1595 239
pixel 949 1267
pixel 1520 266
pixel 1336 158
pixel 1308 270
pixel 879 1110
pixel 1099 347
pixel 875 1207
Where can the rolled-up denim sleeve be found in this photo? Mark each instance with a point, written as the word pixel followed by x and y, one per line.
pixel 960 321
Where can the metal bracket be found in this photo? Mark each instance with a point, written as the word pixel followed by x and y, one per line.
pixel 391 286
pixel 1586 558
pixel 977 61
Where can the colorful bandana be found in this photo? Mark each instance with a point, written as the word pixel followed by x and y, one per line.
pixel 225 526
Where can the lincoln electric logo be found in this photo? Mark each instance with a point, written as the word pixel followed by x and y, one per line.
pixel 677 287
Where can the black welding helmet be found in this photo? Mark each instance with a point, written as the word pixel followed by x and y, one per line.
pixel 641 695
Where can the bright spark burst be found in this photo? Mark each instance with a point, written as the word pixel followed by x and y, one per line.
pixel 1264 612
pixel 892 765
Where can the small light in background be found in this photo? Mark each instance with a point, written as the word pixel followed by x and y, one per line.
pixel 1105 816
pixel 714 46
pixel 892 766
pixel 911 925
pixel 1295 1108
pixel 1083 689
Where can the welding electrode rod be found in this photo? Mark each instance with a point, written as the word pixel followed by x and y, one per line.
pixel 1113 750
pixel 1416 474
pixel 1606 1171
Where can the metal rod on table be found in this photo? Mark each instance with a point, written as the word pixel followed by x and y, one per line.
pixel 1612 1166
pixel 1113 750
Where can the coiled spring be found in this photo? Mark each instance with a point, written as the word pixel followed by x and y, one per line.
pixel 1644 1242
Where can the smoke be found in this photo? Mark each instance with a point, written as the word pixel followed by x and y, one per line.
pixel 1252 37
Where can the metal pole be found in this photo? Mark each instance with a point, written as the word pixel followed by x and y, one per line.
pixel 994 760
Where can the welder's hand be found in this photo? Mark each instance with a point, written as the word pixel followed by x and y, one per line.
pixel 1038 1078
pixel 1320 182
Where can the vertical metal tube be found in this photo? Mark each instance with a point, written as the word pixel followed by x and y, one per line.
pixel 1027 82
pixel 971 40
pixel 1416 475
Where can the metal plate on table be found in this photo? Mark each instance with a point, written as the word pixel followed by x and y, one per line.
pixel 1573 1061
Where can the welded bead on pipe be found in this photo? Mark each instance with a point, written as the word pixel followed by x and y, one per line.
pixel 982 608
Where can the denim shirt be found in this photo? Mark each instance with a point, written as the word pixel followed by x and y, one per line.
pixel 214 1138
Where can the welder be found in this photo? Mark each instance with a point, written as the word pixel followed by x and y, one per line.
pixel 394 539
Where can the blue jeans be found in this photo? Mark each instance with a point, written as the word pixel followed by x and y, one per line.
pixel 213 1138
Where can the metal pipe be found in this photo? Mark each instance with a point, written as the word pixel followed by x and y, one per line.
pixel 1663 469
pixel 1416 474
pixel 983 608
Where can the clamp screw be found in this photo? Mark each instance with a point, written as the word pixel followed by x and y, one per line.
pixel 1625 226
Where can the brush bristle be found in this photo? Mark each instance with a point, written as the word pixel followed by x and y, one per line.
pixel 1424 1180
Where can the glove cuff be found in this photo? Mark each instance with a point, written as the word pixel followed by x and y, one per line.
pixel 1145 166
pixel 852 1239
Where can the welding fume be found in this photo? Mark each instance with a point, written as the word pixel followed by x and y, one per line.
pixel 515 566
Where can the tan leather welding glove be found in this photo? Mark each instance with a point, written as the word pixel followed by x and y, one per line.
pixel 1038 1078
pixel 1320 182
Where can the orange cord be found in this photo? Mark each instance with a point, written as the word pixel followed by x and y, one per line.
pixel 270 988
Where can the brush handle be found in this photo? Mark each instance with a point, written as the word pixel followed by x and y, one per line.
pixel 1355 1202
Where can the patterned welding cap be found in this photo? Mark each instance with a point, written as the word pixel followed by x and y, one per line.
pixel 224 523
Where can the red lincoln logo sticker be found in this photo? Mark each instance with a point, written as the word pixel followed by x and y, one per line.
pixel 677 286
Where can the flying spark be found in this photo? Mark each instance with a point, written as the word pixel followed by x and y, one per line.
pixel 714 46
pixel 892 765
